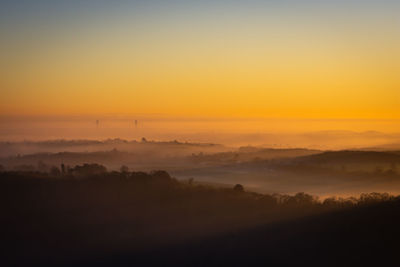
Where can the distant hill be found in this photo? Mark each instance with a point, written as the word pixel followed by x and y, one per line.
pixel 55 146
pixel 346 157
pixel 385 147
pixel 248 154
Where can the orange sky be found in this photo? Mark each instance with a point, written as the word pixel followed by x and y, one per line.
pixel 252 63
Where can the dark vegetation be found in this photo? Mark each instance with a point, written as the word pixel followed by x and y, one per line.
pixel 84 215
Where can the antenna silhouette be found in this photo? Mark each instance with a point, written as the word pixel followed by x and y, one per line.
pixel 97 123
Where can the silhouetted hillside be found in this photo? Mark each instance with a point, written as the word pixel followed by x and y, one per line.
pixel 145 146
pixel 85 215
pixel 248 154
pixel 346 157
pixel 361 236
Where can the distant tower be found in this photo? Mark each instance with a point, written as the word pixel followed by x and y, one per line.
pixel 97 123
pixel 136 122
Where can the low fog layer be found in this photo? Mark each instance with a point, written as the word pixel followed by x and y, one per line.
pixel 265 170
pixel 271 133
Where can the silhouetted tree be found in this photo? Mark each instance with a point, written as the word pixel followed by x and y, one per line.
pixel 368 198
pixel 331 201
pixel 238 188
pixel 124 169
pixel 89 169
pixel 304 199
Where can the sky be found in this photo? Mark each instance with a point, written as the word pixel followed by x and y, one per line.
pixel 201 59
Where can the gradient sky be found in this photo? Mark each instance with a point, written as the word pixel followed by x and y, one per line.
pixel 246 59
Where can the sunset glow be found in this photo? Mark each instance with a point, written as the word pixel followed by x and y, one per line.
pixel 224 59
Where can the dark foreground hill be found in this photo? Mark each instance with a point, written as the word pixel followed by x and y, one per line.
pixel 140 219
pixel 362 236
